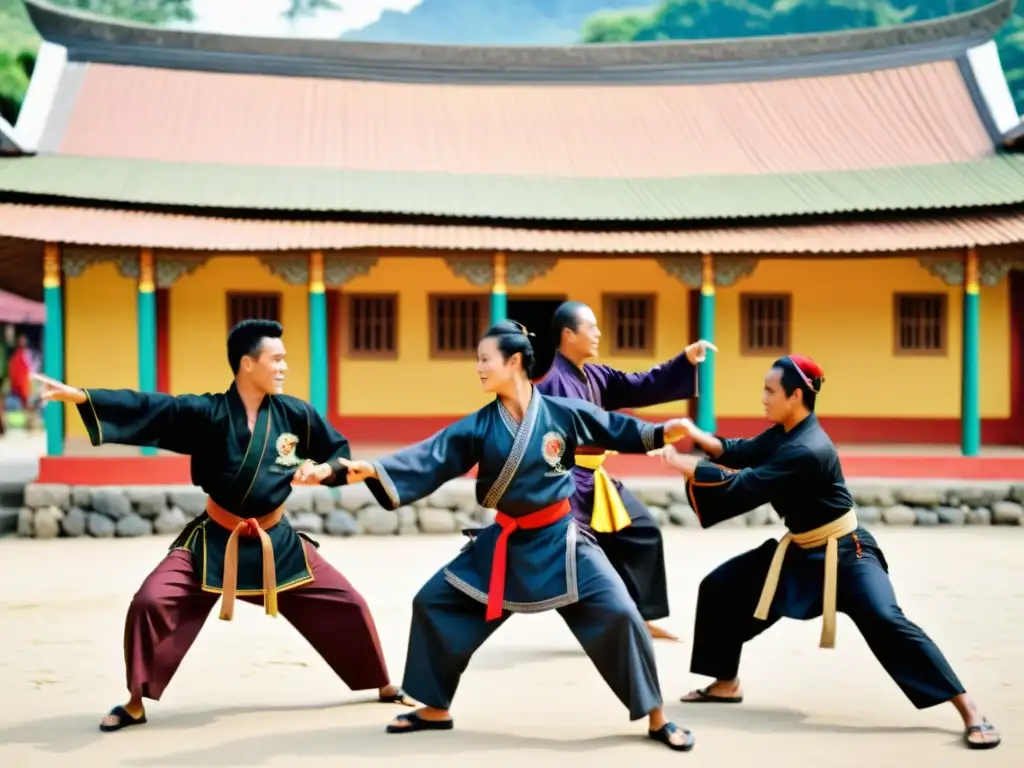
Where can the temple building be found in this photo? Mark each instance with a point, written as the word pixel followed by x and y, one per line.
pixel 852 196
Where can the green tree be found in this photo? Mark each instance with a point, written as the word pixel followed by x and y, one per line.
pixel 142 11
pixel 19 41
pixel 299 8
pixel 1011 52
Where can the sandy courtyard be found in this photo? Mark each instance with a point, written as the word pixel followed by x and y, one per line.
pixel 252 693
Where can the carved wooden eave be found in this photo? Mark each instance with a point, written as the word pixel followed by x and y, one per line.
pixel 339 267
pixel 728 269
pixel 993 269
pixel 479 270
pixel 169 267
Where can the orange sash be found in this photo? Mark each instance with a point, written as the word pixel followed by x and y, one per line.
pixel 249 526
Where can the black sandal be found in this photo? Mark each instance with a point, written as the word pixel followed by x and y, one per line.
pixel 704 697
pixel 398 697
pixel 124 719
pixel 983 727
pixel 664 735
pixel 417 723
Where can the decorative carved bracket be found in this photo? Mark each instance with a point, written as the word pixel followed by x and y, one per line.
pixel 523 271
pixel 76 260
pixel 169 268
pixel 687 269
pixel 479 270
pixel 951 270
pixel 293 268
pixel 339 268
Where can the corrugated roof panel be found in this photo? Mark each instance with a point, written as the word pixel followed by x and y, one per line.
pixel 909 115
pixel 988 182
pixel 88 226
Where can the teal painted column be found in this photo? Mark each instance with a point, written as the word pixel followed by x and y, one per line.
pixel 706 370
pixel 146 326
pixel 317 334
pixel 499 290
pixel 970 404
pixel 53 345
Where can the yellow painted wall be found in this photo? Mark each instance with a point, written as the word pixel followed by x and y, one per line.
pixel 101 343
pixel 449 387
pixel 199 324
pixel 843 318
pixel 421 387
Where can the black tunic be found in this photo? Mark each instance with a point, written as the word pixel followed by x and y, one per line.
pixel 248 473
pixel 799 474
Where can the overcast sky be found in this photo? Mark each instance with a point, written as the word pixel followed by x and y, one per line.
pixel 263 17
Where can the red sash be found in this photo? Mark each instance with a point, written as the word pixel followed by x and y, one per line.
pixel 539 519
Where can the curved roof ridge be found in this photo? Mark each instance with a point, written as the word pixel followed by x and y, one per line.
pixel 91 38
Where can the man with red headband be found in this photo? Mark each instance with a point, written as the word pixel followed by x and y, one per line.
pixel 836 564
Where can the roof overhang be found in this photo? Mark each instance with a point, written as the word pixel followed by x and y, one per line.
pixel 37 107
pixel 9 144
pixel 983 73
pixel 308 192
pixel 1014 138
pixel 94 39
pixel 84 226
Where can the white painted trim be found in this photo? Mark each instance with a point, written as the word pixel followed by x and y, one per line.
pixel 991 79
pixel 8 136
pixel 42 89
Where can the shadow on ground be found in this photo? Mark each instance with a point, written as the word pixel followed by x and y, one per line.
pixel 59 735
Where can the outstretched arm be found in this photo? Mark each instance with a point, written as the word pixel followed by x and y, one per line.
pixel 675 379
pixel 735 453
pixel 718 493
pixel 420 469
pixel 618 432
pixel 124 416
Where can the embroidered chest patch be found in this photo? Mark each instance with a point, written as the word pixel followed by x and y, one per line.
pixel 553 447
pixel 285 446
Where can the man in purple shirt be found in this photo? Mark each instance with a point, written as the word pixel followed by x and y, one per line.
pixel 624 528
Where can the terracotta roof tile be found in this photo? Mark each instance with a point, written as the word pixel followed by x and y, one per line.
pixel 87 226
pixel 902 116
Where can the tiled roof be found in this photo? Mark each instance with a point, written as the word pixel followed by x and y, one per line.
pixel 985 183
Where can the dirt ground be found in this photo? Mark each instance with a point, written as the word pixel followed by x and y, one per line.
pixel 252 693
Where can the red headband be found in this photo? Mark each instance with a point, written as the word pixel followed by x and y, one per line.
pixel 808 370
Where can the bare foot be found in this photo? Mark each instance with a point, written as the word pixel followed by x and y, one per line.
pixel 982 735
pixel 725 691
pixel 661 634
pixel 392 694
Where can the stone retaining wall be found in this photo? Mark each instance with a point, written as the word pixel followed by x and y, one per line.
pixel 50 511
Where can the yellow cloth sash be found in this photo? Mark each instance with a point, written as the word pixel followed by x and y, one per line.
pixel 827 535
pixel 609 514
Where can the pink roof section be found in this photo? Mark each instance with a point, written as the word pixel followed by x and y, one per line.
pixel 16 309
pixel 911 115
pixel 135 229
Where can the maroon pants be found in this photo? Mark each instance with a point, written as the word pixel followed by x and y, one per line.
pixel 169 609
